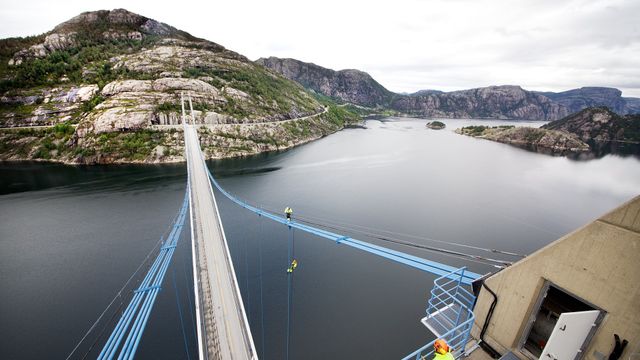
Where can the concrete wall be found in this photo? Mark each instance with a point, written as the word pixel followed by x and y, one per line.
pixel 599 263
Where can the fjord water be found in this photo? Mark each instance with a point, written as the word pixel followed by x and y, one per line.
pixel 71 236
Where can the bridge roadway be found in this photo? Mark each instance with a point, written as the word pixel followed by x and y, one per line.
pixel 223 328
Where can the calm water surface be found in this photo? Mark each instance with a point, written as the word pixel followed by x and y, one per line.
pixel 71 236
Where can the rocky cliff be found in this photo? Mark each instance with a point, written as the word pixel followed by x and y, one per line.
pixel 105 86
pixel 352 86
pixel 495 102
pixel 578 99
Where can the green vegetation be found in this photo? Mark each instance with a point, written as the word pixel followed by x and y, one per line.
pixel 631 125
pixel 63 130
pixel 474 130
pixel 478 130
pixel 88 62
pixel 534 135
pixel 270 94
pixel 58 143
pixel 437 125
pixel 300 128
pixel 233 108
pixel 91 103
pixel 41 143
pixel 17 109
pixel 136 145
pixel 340 116
pixel 10 46
pixel 168 107
pixel 324 99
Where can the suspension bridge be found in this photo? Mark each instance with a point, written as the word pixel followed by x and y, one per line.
pixel 222 327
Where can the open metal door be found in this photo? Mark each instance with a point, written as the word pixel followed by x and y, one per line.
pixel 569 334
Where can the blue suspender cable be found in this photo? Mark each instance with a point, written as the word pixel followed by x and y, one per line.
pixel 144 297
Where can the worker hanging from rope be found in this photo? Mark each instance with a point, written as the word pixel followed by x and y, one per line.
pixel 288 212
pixel 294 265
pixel 442 351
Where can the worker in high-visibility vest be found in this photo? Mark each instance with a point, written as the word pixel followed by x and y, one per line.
pixel 288 211
pixel 294 265
pixel 442 351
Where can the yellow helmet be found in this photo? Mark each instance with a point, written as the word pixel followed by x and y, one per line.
pixel 440 346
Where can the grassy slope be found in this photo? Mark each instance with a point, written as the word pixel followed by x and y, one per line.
pixel 88 62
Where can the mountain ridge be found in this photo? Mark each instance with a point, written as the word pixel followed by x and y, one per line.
pixel 348 85
pixel 105 86
pixel 501 102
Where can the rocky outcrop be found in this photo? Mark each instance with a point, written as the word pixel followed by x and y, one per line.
pixel 118 98
pixel 579 99
pixel 352 86
pixel 541 140
pixel 120 21
pixel 598 131
pixel 44 106
pixel 493 102
pixel 133 104
pixel 52 42
pixel 118 24
pixel 600 126
pixel 359 88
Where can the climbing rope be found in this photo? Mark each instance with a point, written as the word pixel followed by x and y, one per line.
pixel 184 333
pixel 470 257
pixel 189 281
pixel 293 264
pixel 104 328
pixel 350 227
pixel 372 232
pixel 261 295
pixel 119 295
pixel 133 321
pixel 246 272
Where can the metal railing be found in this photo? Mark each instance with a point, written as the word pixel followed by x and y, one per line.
pixel 450 310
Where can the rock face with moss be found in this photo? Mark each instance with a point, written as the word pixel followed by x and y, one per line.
pixel 541 140
pixel 113 80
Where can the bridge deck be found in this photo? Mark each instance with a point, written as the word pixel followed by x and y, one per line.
pixel 223 327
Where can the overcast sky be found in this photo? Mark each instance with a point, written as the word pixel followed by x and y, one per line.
pixel 406 45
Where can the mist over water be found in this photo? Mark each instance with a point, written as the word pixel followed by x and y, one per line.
pixel 71 236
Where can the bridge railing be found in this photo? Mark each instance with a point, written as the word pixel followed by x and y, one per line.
pixel 449 314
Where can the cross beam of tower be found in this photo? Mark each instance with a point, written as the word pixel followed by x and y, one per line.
pixel 223 328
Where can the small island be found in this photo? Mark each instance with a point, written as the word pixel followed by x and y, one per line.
pixel 436 125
